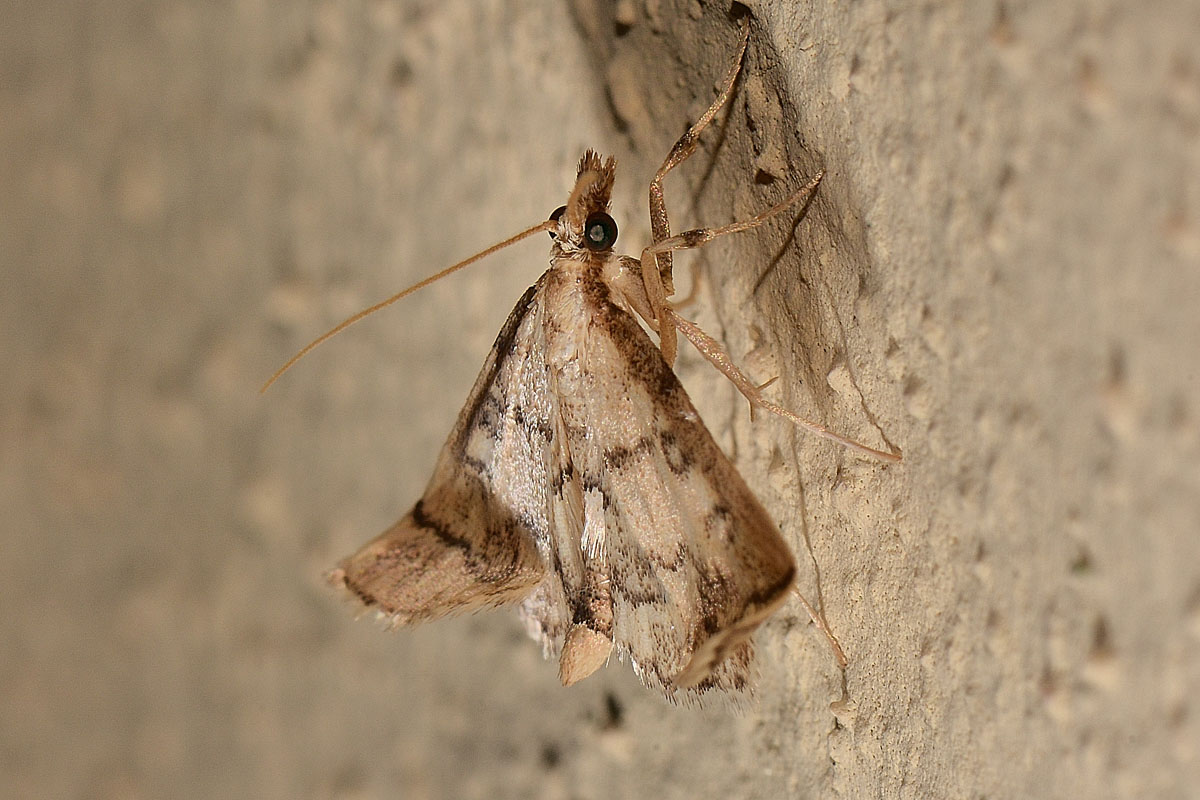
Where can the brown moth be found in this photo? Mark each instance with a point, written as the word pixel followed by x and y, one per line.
pixel 580 484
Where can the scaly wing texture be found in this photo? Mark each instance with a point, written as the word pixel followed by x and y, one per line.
pixel 580 481
pixel 472 539
pixel 696 563
pixel 691 560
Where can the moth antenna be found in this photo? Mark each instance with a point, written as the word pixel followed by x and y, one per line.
pixel 366 312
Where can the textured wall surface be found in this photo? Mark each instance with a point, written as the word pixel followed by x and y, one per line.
pixel 1000 276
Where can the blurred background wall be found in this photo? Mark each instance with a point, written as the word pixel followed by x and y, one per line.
pixel 1000 276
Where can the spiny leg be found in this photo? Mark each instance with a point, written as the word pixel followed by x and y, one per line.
pixel 818 619
pixel 711 350
pixel 716 355
pixel 701 236
pixel 659 282
pixel 693 290
pixel 760 387
pixel 655 295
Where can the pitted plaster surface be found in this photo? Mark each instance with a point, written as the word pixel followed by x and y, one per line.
pixel 1000 276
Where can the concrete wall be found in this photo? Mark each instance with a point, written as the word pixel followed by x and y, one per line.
pixel 1000 276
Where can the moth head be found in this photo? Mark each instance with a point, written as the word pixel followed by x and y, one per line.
pixel 584 223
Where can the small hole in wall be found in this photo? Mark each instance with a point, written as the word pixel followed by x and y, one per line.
pixel 401 73
pixel 763 178
pixel 1102 645
pixel 737 11
pixel 551 756
pixel 614 713
pixel 625 14
pixel 1082 563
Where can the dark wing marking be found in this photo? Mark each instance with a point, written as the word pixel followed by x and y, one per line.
pixel 695 562
pixel 472 540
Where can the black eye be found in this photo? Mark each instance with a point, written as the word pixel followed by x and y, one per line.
pixel 599 232
pixel 555 217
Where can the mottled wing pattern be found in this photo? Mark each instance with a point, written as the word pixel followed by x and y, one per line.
pixel 472 539
pixel 691 559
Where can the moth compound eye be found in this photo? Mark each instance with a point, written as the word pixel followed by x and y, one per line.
pixel 555 217
pixel 599 232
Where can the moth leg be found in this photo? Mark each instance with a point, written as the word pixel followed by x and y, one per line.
pixel 711 350
pixel 693 290
pixel 819 620
pixel 654 289
pixel 699 237
pixel 760 387
pixel 659 282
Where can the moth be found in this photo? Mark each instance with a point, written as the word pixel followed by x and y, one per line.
pixel 579 483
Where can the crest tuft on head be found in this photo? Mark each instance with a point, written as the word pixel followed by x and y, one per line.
pixel 593 187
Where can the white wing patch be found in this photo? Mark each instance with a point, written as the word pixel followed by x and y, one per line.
pixel 471 541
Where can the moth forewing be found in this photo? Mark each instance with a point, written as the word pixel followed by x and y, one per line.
pixel 465 545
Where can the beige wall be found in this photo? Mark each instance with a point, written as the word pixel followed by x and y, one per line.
pixel 1000 276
